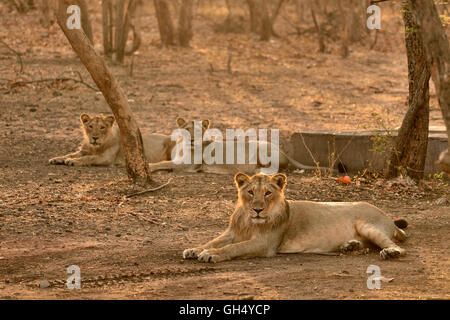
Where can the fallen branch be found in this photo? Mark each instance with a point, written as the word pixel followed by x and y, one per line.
pixel 149 190
pixel 20 83
pixel 19 56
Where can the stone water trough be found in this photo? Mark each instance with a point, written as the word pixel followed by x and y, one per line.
pixel 356 149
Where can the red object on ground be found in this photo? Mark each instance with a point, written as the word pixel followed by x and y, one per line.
pixel 345 180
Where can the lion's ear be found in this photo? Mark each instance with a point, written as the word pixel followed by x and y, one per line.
pixel 241 179
pixel 181 122
pixel 205 124
pixel 85 118
pixel 110 120
pixel 279 179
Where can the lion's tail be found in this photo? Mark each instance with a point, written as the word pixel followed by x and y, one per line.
pixel 399 233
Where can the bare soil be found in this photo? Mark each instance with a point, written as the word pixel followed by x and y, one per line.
pixel 52 217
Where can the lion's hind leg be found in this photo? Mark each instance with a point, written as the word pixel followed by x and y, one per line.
pixel 379 237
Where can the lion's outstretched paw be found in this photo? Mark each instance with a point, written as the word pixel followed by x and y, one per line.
pixel 192 253
pixel 210 255
pixel 57 160
pixel 71 162
pixel 391 252
pixel 351 245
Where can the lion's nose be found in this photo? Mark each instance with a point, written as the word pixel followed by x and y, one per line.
pixel 95 138
pixel 258 211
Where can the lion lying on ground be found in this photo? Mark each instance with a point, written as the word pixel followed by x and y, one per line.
pixel 265 223
pixel 283 159
pixel 101 145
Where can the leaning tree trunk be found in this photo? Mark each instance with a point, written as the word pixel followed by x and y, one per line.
pixel 411 144
pixel 131 138
pixel 438 53
pixel 85 21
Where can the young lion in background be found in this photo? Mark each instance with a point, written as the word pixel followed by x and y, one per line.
pixel 101 145
pixel 265 223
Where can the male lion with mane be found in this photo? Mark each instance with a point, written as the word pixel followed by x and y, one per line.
pixel 265 223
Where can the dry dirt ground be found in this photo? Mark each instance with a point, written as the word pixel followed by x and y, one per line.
pixel 52 217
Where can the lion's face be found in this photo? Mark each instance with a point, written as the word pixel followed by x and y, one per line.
pixel 260 194
pixel 190 126
pixel 97 128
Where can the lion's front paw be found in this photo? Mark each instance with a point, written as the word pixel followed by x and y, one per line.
pixel 57 160
pixel 210 255
pixel 192 253
pixel 72 162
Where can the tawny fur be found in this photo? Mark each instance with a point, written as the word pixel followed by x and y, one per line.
pixel 106 149
pixel 249 167
pixel 265 223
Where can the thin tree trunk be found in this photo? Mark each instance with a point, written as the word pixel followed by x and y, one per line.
pixel 345 29
pixel 107 27
pixel 438 53
pixel 318 29
pixel 185 33
pixel 136 163
pixel 165 24
pixel 266 27
pixel 255 22
pixel 411 144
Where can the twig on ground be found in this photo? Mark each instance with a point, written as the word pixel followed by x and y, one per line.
pixel 156 221
pixel 19 56
pixel 149 190
pixel 19 83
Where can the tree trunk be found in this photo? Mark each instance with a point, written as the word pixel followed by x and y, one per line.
pixel 131 138
pixel 255 22
pixel 165 24
pixel 438 53
pixel 344 16
pixel 411 144
pixel 85 21
pixel 107 11
pixel 266 27
pixel 185 33
pixel 320 36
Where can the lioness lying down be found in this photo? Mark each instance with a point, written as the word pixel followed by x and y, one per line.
pixel 251 163
pixel 265 223
pixel 101 145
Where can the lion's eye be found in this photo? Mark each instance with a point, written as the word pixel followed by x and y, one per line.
pixel 91 127
pixel 102 128
pixel 250 192
pixel 268 193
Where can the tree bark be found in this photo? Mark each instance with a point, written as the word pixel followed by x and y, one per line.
pixel 411 144
pixel 107 12
pixel 254 10
pixel 320 36
pixel 185 33
pixel 131 138
pixel 85 21
pixel 165 24
pixel 437 50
